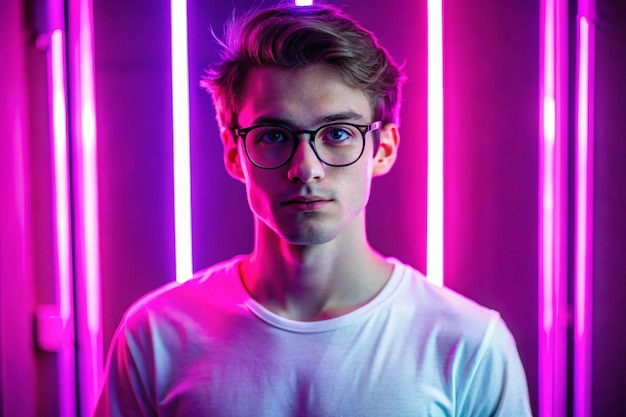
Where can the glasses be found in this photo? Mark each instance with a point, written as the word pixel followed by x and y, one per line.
pixel 335 144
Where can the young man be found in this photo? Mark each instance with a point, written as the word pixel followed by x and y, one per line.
pixel 314 322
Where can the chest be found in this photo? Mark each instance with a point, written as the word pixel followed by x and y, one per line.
pixel 260 372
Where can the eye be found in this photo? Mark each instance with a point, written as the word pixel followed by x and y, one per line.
pixel 338 134
pixel 271 135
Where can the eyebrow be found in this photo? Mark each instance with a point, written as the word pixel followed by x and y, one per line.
pixel 335 117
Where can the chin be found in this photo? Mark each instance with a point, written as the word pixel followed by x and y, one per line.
pixel 308 239
pixel 308 236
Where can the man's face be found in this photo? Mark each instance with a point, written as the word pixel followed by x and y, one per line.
pixel 305 201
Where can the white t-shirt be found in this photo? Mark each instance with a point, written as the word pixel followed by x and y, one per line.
pixel 206 348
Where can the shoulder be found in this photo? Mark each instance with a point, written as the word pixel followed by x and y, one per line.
pixel 176 299
pixel 442 309
pixel 446 324
pixel 474 343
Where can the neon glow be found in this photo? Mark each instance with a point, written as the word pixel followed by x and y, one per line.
pixel 182 170
pixel 548 213
pixel 62 216
pixel 434 245
pixel 546 219
pixel 581 171
pixel 61 178
pixel 88 296
pixel 304 2
pixel 553 211
pixel 582 272
pixel 89 172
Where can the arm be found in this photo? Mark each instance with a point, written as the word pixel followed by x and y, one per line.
pixel 126 391
pixel 496 385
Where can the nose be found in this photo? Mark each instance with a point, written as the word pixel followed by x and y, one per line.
pixel 305 166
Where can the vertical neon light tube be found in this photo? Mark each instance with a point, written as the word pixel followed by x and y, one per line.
pixel 182 170
pixel 62 216
pixel 434 245
pixel 88 310
pixel 552 212
pixel 89 171
pixel 90 194
pixel 546 214
pixel 583 243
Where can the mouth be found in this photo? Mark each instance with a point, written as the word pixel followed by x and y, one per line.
pixel 306 203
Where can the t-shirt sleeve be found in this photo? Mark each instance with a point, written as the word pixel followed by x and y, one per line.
pixel 497 385
pixel 126 390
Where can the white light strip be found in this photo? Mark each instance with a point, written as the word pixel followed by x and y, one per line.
pixel 583 239
pixel 89 169
pixel 552 212
pixel 182 169
pixel 61 173
pixel 434 245
pixel 546 210
pixel 62 220
pixel 85 194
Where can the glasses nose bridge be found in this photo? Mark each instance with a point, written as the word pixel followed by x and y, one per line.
pixel 311 139
pixel 311 133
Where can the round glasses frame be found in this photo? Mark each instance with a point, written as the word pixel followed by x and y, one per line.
pixel 242 133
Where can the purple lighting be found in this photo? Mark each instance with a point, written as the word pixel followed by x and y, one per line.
pixel 582 273
pixel 63 247
pixel 553 309
pixel 180 116
pixel 61 174
pixel 434 245
pixel 86 243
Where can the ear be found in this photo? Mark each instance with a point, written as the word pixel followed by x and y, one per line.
pixel 232 159
pixel 387 149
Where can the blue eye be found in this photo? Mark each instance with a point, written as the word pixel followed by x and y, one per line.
pixel 338 134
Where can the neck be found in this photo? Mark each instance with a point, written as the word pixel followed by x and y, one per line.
pixel 313 282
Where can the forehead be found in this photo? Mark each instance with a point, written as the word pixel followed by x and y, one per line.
pixel 303 97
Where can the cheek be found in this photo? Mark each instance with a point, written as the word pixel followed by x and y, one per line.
pixel 358 185
pixel 258 190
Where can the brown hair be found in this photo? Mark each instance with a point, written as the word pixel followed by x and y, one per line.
pixel 288 36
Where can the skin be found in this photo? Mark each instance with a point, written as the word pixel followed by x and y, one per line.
pixel 311 258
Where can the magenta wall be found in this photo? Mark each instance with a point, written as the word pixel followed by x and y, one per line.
pixel 491 84
pixel 16 270
pixel 26 257
pixel 134 130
